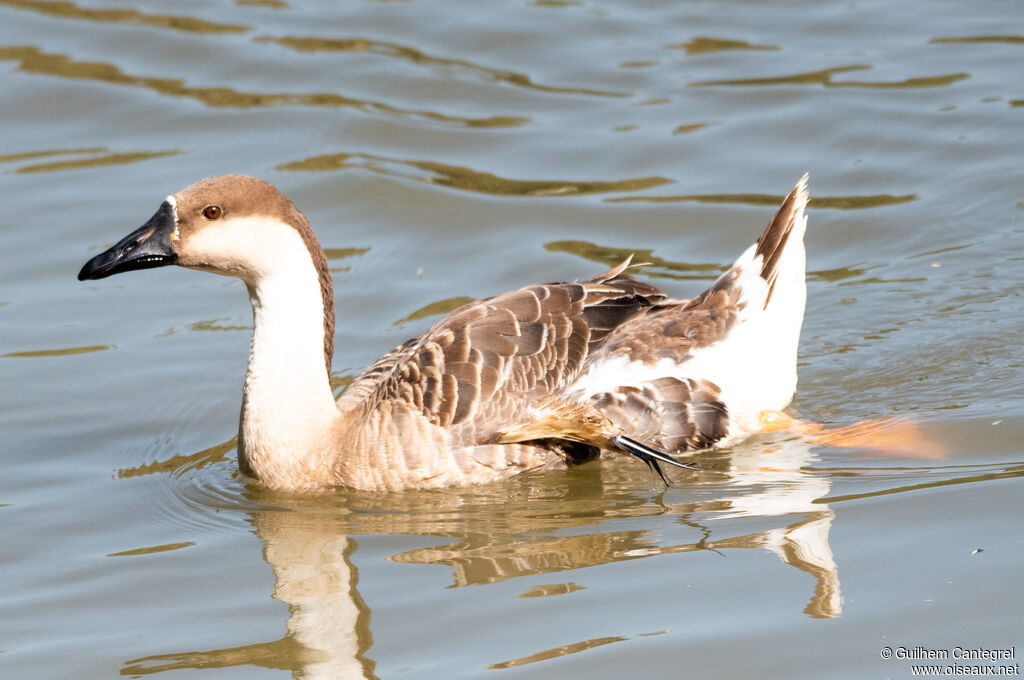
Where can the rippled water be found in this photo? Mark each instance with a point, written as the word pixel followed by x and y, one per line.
pixel 450 150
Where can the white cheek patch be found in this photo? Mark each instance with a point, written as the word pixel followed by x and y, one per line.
pixel 250 248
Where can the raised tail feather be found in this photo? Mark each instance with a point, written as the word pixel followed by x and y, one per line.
pixel 789 221
pixel 753 277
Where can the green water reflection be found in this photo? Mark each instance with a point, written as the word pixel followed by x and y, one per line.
pixel 96 161
pixel 33 60
pixel 97 156
pixel 415 56
pixel 64 352
pixel 704 45
pixel 824 77
pixel 272 4
pixel 435 309
pixel 69 10
pixel 29 155
pixel 153 549
pixel 836 202
pixel 653 265
pixel 1007 39
pixel 561 650
pixel 468 179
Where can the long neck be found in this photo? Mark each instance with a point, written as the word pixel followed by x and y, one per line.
pixel 288 410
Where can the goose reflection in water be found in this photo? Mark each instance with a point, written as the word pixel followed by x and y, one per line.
pixel 511 530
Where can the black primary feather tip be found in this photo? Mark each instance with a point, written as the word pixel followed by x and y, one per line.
pixel 651 456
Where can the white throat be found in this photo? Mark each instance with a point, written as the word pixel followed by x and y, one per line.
pixel 288 409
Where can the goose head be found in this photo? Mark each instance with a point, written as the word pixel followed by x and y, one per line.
pixel 231 225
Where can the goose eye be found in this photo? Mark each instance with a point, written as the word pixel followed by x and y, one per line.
pixel 212 212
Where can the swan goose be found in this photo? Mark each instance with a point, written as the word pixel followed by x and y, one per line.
pixel 538 377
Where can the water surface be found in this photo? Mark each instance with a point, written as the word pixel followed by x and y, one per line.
pixel 450 150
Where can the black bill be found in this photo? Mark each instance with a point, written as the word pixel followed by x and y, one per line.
pixel 146 247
